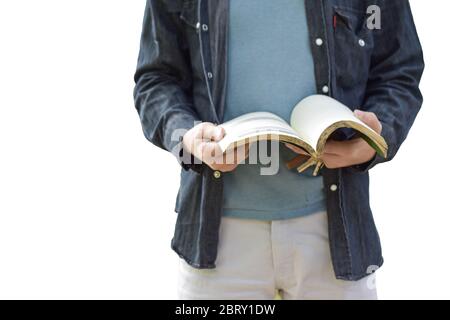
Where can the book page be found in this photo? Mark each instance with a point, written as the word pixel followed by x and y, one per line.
pixel 314 114
pixel 254 125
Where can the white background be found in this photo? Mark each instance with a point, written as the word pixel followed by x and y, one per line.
pixel 86 203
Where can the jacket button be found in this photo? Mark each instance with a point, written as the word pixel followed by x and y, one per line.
pixel 217 174
pixel 333 187
pixel 205 27
pixel 209 75
pixel 319 42
pixel 325 89
pixel 362 43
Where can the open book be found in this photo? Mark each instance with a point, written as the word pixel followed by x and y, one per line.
pixel 313 120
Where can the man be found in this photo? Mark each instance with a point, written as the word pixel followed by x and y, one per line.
pixel 243 235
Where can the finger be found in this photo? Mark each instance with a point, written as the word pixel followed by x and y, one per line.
pixel 209 152
pixel 224 167
pixel 370 119
pixel 212 132
pixel 334 147
pixel 332 161
pixel 219 134
pixel 297 161
pixel 296 149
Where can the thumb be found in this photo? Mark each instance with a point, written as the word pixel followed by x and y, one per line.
pixel 209 131
pixel 219 133
pixel 369 118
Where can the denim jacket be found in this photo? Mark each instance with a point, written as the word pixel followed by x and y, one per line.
pixel 181 79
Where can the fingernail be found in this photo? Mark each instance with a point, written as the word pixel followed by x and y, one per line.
pixel 358 112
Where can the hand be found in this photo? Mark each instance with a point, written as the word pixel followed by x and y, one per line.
pixel 340 154
pixel 202 142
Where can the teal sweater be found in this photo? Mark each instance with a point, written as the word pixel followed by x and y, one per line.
pixel 270 69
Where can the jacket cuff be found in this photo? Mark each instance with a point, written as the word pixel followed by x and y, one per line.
pixel 187 160
pixel 387 134
pixel 177 126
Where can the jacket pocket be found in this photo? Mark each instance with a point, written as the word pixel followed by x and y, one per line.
pixel 185 10
pixel 353 45
pixel 189 13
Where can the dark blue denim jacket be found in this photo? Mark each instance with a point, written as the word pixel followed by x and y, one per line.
pixel 181 78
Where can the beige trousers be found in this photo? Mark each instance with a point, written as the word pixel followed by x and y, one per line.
pixel 257 259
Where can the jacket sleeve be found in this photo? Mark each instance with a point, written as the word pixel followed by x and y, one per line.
pixel 163 79
pixel 396 69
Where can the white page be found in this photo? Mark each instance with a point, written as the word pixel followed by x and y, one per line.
pixel 252 125
pixel 314 114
